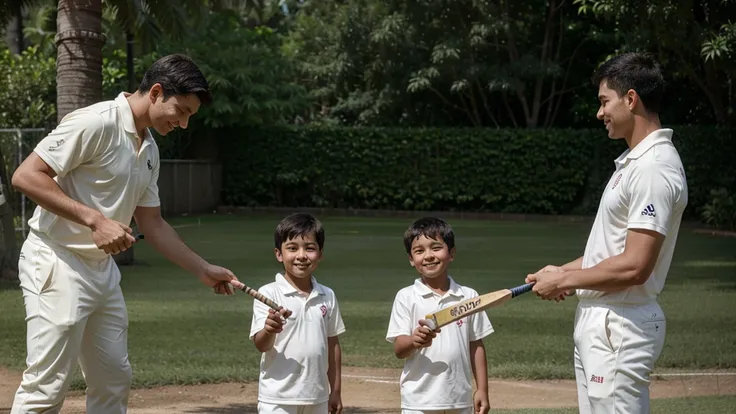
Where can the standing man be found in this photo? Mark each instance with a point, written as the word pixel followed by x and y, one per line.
pixel 619 326
pixel 89 177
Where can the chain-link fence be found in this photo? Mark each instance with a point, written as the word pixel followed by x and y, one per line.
pixel 15 145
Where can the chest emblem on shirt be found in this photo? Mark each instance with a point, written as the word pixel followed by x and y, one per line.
pixel 460 322
pixel 615 183
pixel 323 309
pixel 148 163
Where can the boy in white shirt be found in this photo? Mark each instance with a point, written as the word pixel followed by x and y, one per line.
pixel 439 369
pixel 301 360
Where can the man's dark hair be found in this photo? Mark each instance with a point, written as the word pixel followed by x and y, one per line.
pixel 637 71
pixel 431 227
pixel 299 225
pixel 178 75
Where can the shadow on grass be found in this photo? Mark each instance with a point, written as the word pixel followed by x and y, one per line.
pixel 253 409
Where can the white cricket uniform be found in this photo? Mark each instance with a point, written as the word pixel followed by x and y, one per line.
pixel 294 372
pixel 440 377
pixel 619 336
pixel 75 311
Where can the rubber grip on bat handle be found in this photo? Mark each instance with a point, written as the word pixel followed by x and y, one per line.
pixel 521 289
pixel 430 324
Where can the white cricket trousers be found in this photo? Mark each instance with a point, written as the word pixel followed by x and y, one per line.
pixel 75 312
pixel 469 410
pixel 268 408
pixel 616 346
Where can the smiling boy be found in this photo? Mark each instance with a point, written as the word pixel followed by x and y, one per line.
pixel 301 360
pixel 439 368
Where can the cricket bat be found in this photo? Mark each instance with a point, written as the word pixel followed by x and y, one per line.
pixel 470 306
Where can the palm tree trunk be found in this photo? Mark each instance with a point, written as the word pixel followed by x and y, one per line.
pixel 8 245
pixel 79 42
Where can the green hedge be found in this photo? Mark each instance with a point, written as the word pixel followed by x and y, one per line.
pixel 551 171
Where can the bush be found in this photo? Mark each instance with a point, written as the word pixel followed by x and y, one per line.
pixel 545 171
pixel 720 212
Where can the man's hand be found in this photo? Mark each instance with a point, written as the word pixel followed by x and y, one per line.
pixel 335 403
pixel 422 335
pixel 553 269
pixel 111 236
pixel 480 402
pixel 274 322
pixel 218 278
pixel 546 284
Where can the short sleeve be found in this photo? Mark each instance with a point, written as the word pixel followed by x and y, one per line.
pixel 73 142
pixel 653 192
pixel 150 197
pixel 480 325
pixel 260 313
pixel 401 321
pixel 335 325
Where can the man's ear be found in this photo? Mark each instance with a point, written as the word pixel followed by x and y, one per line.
pixel 632 99
pixel 155 92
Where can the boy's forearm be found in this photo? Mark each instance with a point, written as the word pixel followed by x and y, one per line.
pixel 478 363
pixel 334 370
pixel 404 346
pixel 264 341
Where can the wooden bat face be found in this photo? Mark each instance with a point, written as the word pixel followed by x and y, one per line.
pixel 473 305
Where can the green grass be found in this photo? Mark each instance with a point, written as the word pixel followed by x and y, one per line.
pixel 720 404
pixel 182 333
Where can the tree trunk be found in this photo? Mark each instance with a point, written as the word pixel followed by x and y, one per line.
pixel 129 59
pixel 79 42
pixel 14 33
pixel 8 245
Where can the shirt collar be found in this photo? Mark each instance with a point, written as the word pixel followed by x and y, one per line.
pixel 657 137
pixel 423 290
pixel 126 112
pixel 287 289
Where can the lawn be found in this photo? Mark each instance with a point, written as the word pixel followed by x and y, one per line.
pixel 182 333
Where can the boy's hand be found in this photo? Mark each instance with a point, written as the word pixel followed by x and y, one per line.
pixel 274 322
pixel 480 402
pixel 422 335
pixel 335 403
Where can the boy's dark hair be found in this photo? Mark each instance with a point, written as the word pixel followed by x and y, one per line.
pixel 178 75
pixel 431 227
pixel 637 71
pixel 299 225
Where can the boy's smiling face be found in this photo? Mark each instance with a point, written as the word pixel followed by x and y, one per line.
pixel 300 256
pixel 431 257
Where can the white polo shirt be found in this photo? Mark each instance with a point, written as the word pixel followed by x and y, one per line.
pixel 648 190
pixel 439 377
pixel 294 371
pixel 93 152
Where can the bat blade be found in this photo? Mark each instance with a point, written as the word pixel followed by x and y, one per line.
pixel 457 311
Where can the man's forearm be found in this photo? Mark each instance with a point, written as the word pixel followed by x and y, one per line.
pixel 576 264
pixel 611 274
pixel 404 346
pixel 166 241
pixel 45 192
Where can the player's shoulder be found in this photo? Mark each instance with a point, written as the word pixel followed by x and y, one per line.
pixel 268 288
pixel 326 290
pixel 467 291
pixel 85 118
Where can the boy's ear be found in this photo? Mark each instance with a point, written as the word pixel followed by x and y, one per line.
pixel 452 253
pixel 279 257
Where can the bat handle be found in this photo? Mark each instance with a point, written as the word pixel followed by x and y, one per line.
pixel 521 289
pixel 431 323
pixel 260 297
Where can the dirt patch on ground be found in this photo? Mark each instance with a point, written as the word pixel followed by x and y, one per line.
pixel 367 390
